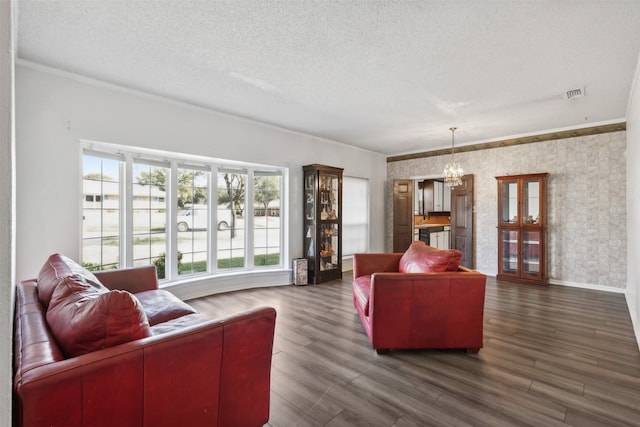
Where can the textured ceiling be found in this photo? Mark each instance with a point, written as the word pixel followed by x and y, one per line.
pixel 389 76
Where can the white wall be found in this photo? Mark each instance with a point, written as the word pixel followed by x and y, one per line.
pixel 586 204
pixel 633 204
pixel 56 110
pixel 7 206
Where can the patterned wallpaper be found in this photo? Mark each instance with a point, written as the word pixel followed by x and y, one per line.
pixel 586 203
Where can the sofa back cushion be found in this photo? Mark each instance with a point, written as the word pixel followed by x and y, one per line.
pixel 84 318
pixel 420 258
pixel 55 270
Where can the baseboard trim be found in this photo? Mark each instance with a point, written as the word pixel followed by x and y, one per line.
pixel 347 264
pixel 575 284
pixel 635 322
pixel 588 286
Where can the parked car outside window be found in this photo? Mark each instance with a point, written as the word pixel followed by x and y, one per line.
pixel 190 219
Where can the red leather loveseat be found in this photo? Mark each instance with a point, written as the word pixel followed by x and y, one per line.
pixel 111 349
pixel 419 299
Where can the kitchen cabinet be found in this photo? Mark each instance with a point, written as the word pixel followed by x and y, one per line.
pixel 446 198
pixel 437 237
pixel 522 228
pixel 323 222
pixel 436 197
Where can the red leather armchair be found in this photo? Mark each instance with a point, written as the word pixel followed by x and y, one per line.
pixel 417 310
pixel 188 371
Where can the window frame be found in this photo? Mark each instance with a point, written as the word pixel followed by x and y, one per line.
pixel 173 162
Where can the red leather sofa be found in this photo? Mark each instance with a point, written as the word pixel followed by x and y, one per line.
pixel 111 349
pixel 404 308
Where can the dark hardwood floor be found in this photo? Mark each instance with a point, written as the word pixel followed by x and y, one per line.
pixel 553 356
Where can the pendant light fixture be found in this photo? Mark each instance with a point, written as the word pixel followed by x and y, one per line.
pixel 453 172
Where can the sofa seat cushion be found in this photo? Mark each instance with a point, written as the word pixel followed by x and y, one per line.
pixel 420 258
pixel 161 306
pixel 362 292
pixel 178 323
pixel 84 318
pixel 55 270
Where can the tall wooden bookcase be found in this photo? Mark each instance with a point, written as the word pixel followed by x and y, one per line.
pixel 522 211
pixel 323 222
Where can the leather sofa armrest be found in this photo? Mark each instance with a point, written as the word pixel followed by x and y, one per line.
pixel 245 383
pixel 134 280
pixel 364 264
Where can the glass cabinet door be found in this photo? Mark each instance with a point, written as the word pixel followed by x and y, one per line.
pixel 531 201
pixel 510 251
pixel 309 216
pixel 531 252
pixel 329 247
pixel 329 197
pixel 329 211
pixel 509 194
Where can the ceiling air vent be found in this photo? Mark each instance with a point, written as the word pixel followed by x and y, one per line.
pixel 574 93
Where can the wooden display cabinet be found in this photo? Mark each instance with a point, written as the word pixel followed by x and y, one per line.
pixel 522 204
pixel 323 222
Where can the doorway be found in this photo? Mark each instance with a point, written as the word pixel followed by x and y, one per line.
pixel 418 214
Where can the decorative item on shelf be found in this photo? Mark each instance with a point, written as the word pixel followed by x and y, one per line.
pixel 453 172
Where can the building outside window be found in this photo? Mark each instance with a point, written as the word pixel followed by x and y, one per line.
pixel 185 217
pixel 101 215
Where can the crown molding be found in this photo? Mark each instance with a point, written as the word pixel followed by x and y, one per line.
pixel 573 133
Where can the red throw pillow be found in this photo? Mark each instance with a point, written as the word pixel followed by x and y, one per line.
pixel 161 306
pixel 420 258
pixel 83 318
pixel 55 270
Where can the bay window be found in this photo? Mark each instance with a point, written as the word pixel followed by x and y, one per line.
pixel 186 215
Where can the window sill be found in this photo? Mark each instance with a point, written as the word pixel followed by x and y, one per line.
pixel 203 285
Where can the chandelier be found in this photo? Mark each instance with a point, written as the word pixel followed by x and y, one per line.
pixel 453 171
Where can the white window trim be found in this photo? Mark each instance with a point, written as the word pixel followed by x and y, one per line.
pixel 198 284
